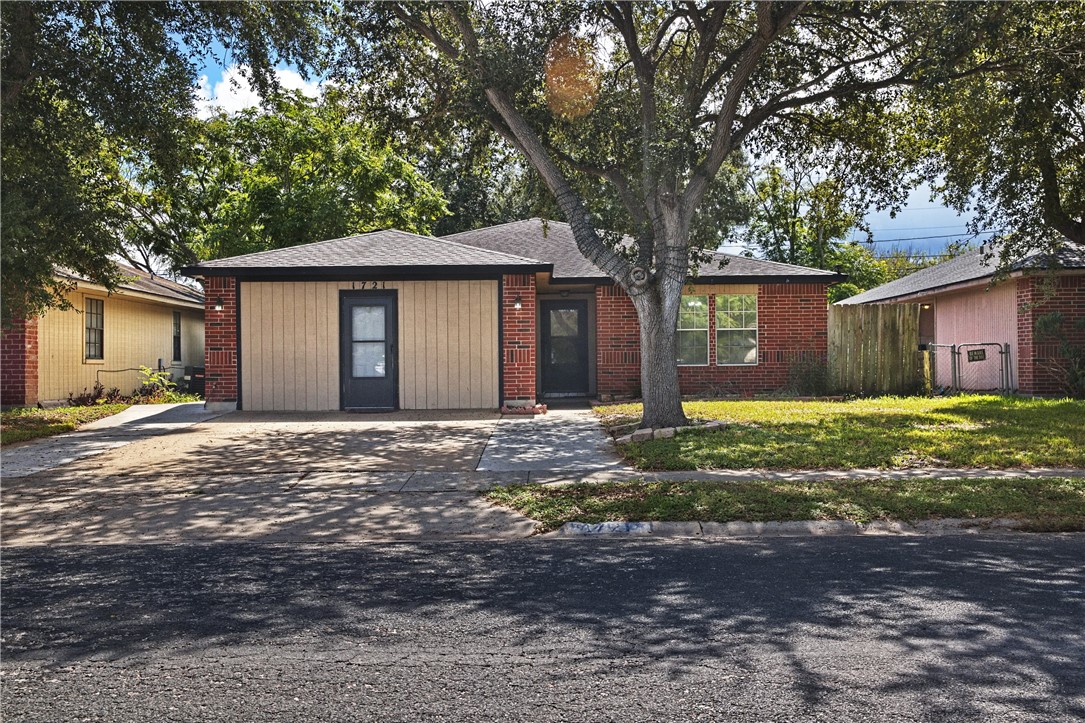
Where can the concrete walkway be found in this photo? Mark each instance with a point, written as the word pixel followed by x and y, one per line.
pixel 565 440
pixel 137 423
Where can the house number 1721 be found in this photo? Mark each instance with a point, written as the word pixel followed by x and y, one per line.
pixel 371 284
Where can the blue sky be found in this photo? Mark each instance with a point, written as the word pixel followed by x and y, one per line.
pixel 921 225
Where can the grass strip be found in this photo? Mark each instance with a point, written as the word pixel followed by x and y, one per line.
pixel 1042 504
pixel 19 425
pixel 885 432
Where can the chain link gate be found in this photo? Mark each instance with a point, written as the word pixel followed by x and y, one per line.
pixel 973 367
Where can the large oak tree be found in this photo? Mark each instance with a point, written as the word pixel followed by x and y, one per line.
pixel 650 100
pixel 85 84
pixel 1010 144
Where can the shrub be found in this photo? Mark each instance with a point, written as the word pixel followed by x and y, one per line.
pixel 1069 366
pixel 808 375
pixel 155 387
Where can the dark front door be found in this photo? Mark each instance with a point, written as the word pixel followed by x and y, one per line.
pixel 367 357
pixel 564 348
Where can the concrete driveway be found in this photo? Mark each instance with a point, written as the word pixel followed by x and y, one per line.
pixel 266 443
pixel 305 477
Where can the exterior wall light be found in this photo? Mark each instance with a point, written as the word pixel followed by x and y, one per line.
pixel 517 303
pixel 218 304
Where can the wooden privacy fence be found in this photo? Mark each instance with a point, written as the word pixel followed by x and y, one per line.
pixel 874 349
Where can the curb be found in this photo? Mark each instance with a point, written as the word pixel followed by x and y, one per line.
pixel 809 528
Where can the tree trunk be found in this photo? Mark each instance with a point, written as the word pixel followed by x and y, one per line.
pixel 658 352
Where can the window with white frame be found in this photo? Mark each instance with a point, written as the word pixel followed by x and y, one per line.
pixel 736 329
pixel 95 329
pixel 693 331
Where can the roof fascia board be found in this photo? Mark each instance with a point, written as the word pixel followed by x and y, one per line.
pixel 368 273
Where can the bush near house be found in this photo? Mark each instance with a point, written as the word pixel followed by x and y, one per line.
pixel 883 432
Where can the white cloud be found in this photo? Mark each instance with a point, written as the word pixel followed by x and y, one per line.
pixel 234 92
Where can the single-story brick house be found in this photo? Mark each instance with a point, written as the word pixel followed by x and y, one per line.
pixel 104 337
pixel 509 314
pixel 959 304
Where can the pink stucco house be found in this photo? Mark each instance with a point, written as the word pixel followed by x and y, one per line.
pixel 961 303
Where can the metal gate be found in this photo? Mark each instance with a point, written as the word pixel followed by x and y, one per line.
pixel 974 367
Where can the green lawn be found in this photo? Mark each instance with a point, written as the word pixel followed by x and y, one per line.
pixel 19 425
pixel 1042 504
pixel 883 432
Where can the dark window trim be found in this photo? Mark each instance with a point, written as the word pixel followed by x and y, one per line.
pixel 91 316
pixel 177 320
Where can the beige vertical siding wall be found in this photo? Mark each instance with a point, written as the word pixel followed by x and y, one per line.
pixel 978 315
pixel 448 352
pixel 137 333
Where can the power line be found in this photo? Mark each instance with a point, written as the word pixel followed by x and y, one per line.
pixel 922 208
pixel 917 238
pixel 916 228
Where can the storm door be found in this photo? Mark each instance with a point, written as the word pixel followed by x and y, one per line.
pixel 564 348
pixel 367 366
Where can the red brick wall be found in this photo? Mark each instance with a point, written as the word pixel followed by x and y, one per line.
pixel 792 321
pixel 518 339
pixel 617 346
pixel 1036 372
pixel 19 363
pixel 220 339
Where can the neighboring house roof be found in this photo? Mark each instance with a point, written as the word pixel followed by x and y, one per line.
pixel 553 242
pixel 969 266
pixel 377 252
pixel 147 283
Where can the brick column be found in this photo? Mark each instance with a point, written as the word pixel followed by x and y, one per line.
pixel 1026 355
pixel 220 342
pixel 19 363
pixel 518 340
pixel 617 346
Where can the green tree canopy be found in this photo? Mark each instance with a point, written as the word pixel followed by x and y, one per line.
pixel 1011 144
pixel 297 171
pixel 85 83
pixel 799 217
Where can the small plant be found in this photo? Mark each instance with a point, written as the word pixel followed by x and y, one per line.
pixel 158 387
pixel 808 375
pixel 98 394
pixel 155 386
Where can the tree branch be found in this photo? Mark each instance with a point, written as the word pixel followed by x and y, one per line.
pixel 1054 214
pixel 769 26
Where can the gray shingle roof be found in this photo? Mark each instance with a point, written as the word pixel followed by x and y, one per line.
pixel 970 266
pixel 374 250
pixel 147 283
pixel 553 242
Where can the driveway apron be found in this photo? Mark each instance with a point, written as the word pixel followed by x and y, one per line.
pixel 182 477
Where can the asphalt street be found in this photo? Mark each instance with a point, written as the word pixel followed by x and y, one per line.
pixel 885 628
